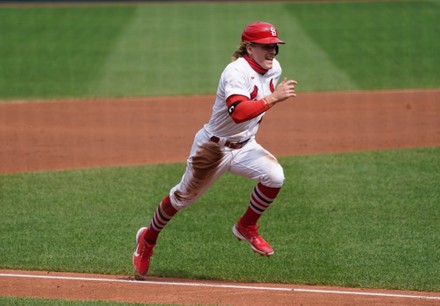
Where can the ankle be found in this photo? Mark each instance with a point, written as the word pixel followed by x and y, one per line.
pixel 150 236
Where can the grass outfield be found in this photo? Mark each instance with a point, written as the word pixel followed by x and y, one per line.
pixel 173 48
pixel 354 219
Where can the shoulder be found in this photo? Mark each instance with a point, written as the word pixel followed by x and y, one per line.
pixel 238 64
pixel 236 68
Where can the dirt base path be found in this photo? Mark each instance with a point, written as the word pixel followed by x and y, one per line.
pixel 41 136
pixel 73 286
pixel 61 135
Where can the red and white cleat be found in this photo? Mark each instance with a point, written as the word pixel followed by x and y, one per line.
pixel 142 254
pixel 251 236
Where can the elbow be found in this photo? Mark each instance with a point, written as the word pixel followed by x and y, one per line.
pixel 237 119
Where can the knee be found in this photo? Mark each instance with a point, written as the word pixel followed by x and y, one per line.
pixel 181 199
pixel 275 178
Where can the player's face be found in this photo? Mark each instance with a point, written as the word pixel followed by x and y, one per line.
pixel 263 54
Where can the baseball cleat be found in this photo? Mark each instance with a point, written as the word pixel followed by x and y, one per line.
pixel 251 236
pixel 142 254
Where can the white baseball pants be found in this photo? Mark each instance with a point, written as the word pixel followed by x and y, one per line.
pixel 209 160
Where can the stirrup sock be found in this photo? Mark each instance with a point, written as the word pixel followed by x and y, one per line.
pixel 164 212
pixel 261 198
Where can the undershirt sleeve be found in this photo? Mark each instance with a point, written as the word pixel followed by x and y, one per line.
pixel 241 109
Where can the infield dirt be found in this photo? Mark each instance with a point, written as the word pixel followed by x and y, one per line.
pixel 58 135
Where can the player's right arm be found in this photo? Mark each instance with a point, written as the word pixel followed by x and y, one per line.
pixel 241 109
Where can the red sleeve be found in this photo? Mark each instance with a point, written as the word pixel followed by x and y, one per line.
pixel 241 109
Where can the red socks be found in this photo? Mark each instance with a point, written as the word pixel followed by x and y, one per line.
pixel 164 212
pixel 261 198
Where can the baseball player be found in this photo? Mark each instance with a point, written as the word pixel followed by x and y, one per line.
pixel 247 89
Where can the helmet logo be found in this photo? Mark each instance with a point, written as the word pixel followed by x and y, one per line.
pixel 273 31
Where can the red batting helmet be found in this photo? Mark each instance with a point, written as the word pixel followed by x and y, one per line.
pixel 261 33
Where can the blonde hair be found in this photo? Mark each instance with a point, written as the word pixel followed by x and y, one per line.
pixel 241 51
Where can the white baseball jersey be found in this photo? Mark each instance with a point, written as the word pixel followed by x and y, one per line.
pixel 239 78
pixel 208 160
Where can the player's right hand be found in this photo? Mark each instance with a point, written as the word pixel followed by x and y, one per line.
pixel 284 90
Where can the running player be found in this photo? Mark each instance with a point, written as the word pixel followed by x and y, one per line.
pixel 246 90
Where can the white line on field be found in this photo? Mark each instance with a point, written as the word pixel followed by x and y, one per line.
pixel 110 280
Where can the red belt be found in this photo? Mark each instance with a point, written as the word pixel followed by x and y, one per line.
pixel 232 145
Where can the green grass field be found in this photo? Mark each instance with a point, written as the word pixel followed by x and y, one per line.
pixel 10 301
pixel 358 219
pixel 173 49
pixel 366 219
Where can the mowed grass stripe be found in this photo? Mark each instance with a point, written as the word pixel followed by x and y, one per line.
pixel 187 51
pixel 173 49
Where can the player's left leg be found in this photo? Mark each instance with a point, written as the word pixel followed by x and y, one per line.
pixel 257 163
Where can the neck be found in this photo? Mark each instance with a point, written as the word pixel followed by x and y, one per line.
pixel 255 65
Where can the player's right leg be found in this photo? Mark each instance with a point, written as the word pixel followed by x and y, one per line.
pixel 205 165
pixel 142 253
pixel 146 237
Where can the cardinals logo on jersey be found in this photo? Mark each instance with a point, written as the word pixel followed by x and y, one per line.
pixel 271 86
pixel 254 93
